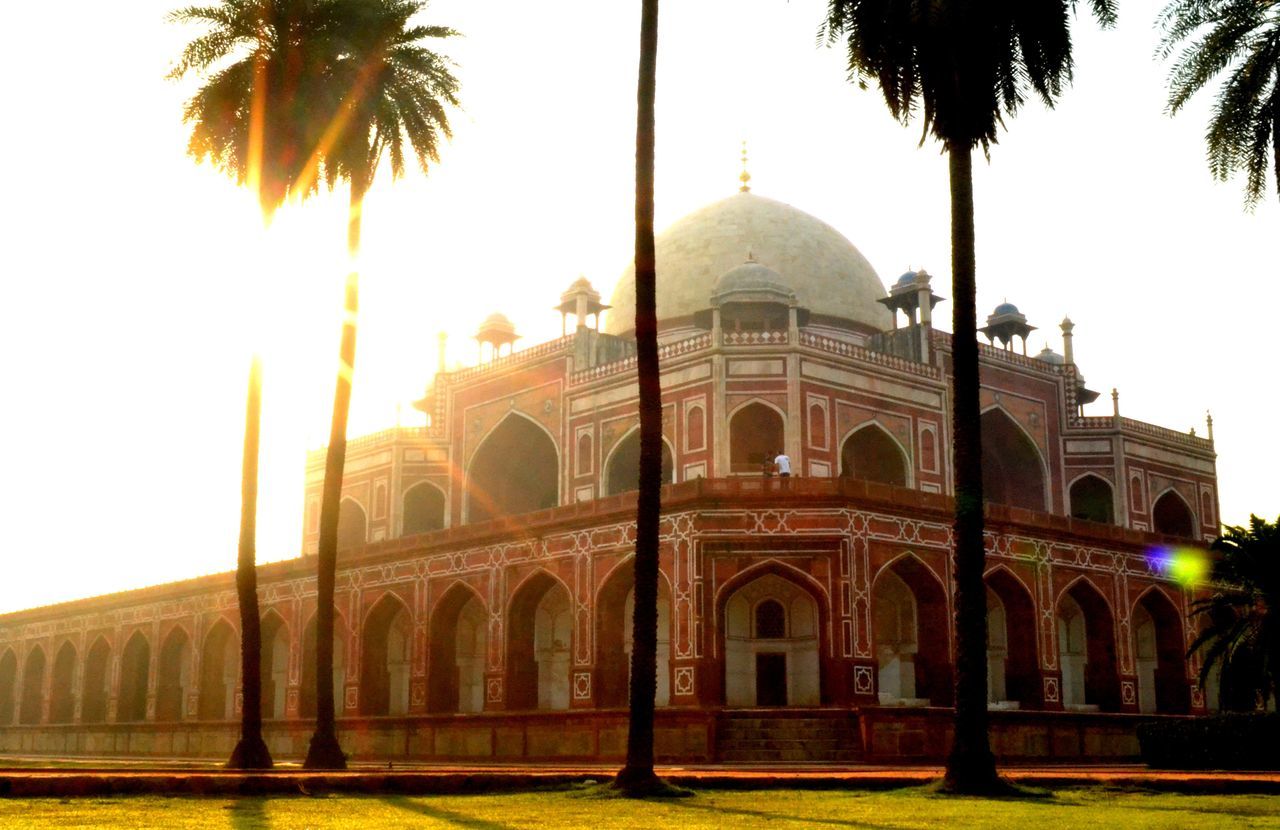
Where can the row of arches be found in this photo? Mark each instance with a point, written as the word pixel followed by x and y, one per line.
pixel 516 470
pixel 772 626
pixel 90 683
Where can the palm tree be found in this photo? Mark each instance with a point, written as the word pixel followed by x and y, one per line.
pixel 1242 39
pixel 387 88
pixel 637 777
pixel 1241 631
pixel 253 119
pixel 964 66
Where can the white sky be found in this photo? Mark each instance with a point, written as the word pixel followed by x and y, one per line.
pixel 127 269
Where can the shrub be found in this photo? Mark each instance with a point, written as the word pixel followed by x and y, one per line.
pixel 1236 741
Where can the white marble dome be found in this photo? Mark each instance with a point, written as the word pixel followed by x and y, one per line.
pixel 828 275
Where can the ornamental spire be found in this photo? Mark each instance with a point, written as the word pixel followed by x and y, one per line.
pixel 744 177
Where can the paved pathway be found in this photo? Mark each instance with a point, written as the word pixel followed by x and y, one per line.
pixel 25 777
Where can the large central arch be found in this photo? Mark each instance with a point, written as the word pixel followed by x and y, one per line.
pixel 1012 469
pixel 515 470
pixel 773 626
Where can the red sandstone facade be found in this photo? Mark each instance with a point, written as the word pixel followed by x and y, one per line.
pixel 484 579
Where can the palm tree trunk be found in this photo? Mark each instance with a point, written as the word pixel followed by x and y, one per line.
pixel 970 766
pixel 325 752
pixel 251 752
pixel 637 776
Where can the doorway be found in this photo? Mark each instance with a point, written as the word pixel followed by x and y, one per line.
pixel 771 678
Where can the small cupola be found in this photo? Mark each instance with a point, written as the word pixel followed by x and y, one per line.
pixel 582 301
pixel 1006 323
pixel 497 331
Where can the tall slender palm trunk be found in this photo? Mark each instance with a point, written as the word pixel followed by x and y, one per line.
pixel 325 751
pixel 637 776
pixel 970 766
pixel 251 752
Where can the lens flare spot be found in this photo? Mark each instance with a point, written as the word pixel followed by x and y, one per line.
pixel 1184 564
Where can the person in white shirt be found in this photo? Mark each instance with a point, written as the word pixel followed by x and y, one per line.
pixel 783 464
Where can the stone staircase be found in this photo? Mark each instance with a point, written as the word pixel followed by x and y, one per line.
pixel 789 736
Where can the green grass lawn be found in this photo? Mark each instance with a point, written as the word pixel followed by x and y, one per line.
pixel 912 808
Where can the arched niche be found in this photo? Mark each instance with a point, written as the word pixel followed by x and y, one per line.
pixel 352 525
pixel 1158 655
pixel 515 470
pixel 459 646
pixel 913 669
pixel 1092 499
pixel 622 473
pixel 871 454
pixel 615 609
pixel 1172 516
pixel 777 663
pixel 423 509
pixel 62 700
pixel 135 668
pixel 1086 649
pixel 539 638
pixel 32 687
pixel 273 672
pixel 386 654
pixel 173 676
pixel 307 692
pixel 8 686
pixel 756 435
pixel 1013 676
pixel 1012 470
pixel 219 671
pixel 94 688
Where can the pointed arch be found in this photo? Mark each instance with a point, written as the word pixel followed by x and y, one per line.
pixel 273 672
pixel 792 670
pixel 871 453
pixel 173 675
pixel 1018 665
pixel 1013 470
pixel 515 469
pixel 423 509
pixel 757 432
pixel 307 691
pixel 353 524
pixel 62 701
pixel 1172 516
pixel 135 674
pixel 386 640
pixel 911 666
pixel 8 685
pixel 1087 647
pixel 32 686
pixel 539 639
pixel 459 641
pixel 1161 665
pixel 219 671
pixel 614 602
pixel 94 682
pixel 622 468
pixel 1092 498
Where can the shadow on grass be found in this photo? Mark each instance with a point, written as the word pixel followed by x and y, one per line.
pixel 248 813
pixel 768 816
pixel 422 807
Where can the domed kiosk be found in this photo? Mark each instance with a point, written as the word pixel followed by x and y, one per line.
pixel 826 272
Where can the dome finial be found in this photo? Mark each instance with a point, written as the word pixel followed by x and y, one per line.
pixel 745 176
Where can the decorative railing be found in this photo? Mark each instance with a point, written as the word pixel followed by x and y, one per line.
pixel 1092 422
pixel 1165 434
pixel 754 338
pixel 840 347
pixel 551 347
pixel 667 351
pixel 388 436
